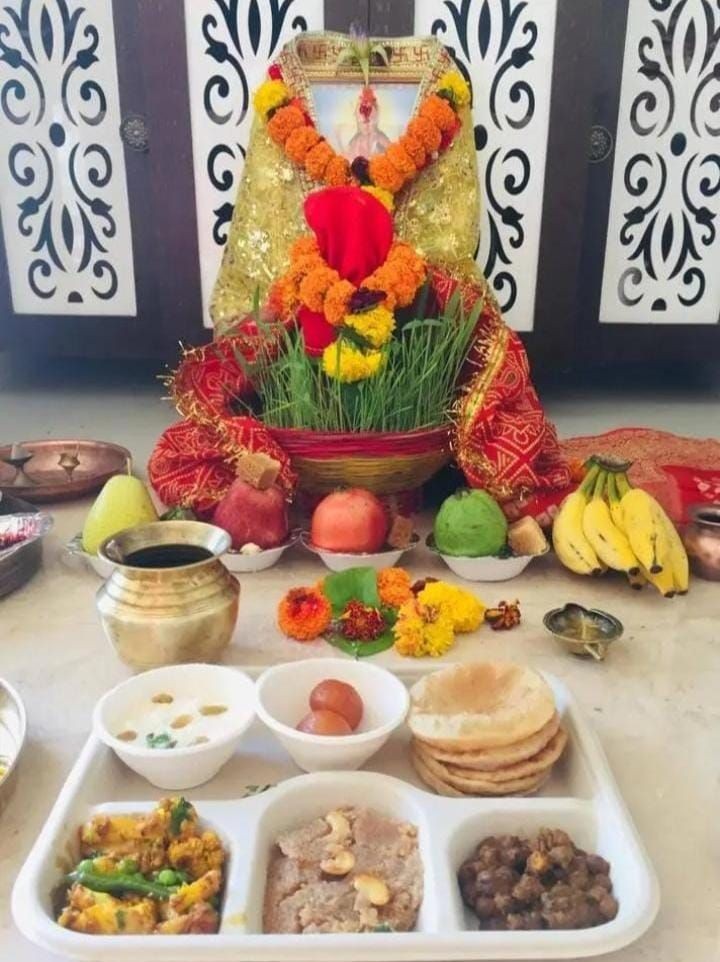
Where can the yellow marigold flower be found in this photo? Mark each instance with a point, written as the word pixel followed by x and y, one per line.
pixel 454 81
pixel 347 363
pixel 394 586
pixel 462 607
pixel 375 325
pixel 422 631
pixel 384 196
pixel 269 96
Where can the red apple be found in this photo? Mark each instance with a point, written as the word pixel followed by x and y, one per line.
pixel 351 522
pixel 250 515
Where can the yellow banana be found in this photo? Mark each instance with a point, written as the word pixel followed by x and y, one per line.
pixel 569 541
pixel 637 582
pixel 607 541
pixel 613 498
pixel 677 559
pixel 663 580
pixel 644 526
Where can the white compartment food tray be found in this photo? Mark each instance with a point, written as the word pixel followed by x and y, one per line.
pixel 580 797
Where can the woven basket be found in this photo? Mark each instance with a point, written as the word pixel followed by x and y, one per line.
pixel 384 463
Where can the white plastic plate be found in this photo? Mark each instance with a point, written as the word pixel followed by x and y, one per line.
pixel 580 797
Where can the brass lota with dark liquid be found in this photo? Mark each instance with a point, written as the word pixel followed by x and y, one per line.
pixel 177 602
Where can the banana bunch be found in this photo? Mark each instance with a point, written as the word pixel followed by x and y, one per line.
pixel 607 523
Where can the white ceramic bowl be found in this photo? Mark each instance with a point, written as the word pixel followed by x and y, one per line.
pixel 283 693
pixel 178 768
pixel 339 561
pixel 483 569
pixel 101 566
pixel 248 563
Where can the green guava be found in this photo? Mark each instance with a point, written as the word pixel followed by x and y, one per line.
pixel 470 524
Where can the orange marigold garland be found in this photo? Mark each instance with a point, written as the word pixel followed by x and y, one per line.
pixel 431 130
pixel 284 121
pixel 316 285
pixel 337 301
pixel 299 143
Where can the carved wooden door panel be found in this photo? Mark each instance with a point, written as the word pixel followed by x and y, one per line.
pixel 531 106
pixel 93 232
pixel 651 235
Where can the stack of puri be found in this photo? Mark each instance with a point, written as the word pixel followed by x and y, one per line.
pixel 484 729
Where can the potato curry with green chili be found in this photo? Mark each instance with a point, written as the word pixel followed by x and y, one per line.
pixel 157 872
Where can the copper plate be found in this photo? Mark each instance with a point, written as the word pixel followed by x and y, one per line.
pixel 98 461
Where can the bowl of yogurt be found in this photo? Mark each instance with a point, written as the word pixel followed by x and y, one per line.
pixel 177 725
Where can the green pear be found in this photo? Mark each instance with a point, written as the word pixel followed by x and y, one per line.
pixel 123 503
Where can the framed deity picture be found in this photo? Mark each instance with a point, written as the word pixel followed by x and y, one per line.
pixel 361 121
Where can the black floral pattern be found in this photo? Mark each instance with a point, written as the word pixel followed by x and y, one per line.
pixel 504 33
pixel 262 23
pixel 669 221
pixel 68 228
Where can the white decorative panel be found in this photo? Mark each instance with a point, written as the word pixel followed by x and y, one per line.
pixel 505 47
pixel 230 44
pixel 662 259
pixel 63 189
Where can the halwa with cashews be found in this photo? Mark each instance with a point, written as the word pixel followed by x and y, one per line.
pixel 353 870
pixel 155 873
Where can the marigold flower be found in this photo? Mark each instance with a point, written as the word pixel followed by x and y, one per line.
pixel 454 82
pixel 284 121
pixel 317 159
pixel 379 282
pixel 337 172
pixel 462 607
pixel 307 244
pixel 413 147
pixel 401 160
pixel 422 631
pixel 404 285
pixel 315 285
pixel 299 142
pixel 282 299
pixel 426 132
pixel 337 301
pixel 394 586
pixel 375 325
pixel 303 265
pixel 269 96
pixel 360 622
pixel 347 363
pixel 384 174
pixel 439 112
pixel 384 196
pixel 304 614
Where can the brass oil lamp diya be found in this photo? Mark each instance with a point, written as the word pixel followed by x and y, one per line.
pixel 585 632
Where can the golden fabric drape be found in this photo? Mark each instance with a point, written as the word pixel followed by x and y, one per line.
pixel 438 212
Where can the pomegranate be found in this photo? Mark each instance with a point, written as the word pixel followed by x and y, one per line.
pixel 251 515
pixel 352 522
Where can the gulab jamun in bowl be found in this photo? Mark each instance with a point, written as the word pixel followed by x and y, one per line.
pixel 330 714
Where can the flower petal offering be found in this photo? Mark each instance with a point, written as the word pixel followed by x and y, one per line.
pixel 156 873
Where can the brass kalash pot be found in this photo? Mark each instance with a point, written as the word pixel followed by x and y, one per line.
pixel 169 599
